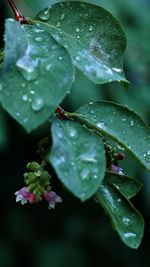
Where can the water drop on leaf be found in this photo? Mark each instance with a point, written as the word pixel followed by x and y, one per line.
pixel 45 15
pixel 37 104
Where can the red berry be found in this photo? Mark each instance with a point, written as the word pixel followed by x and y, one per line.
pixel 121 156
pixel 32 198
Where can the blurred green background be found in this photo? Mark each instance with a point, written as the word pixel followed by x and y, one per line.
pixel 74 234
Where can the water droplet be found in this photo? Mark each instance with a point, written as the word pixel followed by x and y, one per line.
pixel 72 132
pixel 25 120
pixel 101 124
pixel 77 29
pixel 91 103
pixel 45 14
pixel 48 67
pixel 84 174
pixel 38 30
pixel 60 58
pixel 92 111
pixel 32 92
pixel 126 235
pixel 27 67
pixel 77 58
pixel 23 85
pixel 17 114
pixel 124 119
pixel 131 123
pixel 78 37
pixel 38 39
pixel 89 156
pixel 126 220
pixel 62 17
pixel 25 97
pixel 58 24
pixel 1 88
pixel 119 200
pixel 37 104
pixel 90 28
pixel 116 69
pixel 147 156
pixel 95 176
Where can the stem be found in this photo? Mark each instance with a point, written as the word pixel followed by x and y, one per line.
pixel 18 16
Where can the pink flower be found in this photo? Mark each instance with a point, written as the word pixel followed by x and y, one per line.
pixel 52 198
pixel 114 168
pixel 24 196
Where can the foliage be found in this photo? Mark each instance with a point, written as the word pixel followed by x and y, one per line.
pixel 38 69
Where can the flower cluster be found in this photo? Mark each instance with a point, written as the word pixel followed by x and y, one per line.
pixel 25 196
pixel 37 187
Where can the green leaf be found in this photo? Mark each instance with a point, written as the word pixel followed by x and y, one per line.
pixel 127 221
pixel 78 158
pixel 93 37
pixel 126 185
pixel 36 75
pixel 121 125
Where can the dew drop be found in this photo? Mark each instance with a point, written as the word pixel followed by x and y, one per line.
pixel 25 120
pixel 38 39
pixel 72 132
pixel 127 235
pixel 91 103
pixel 77 58
pixel 90 28
pixel 37 104
pixel 38 30
pixel 32 92
pixel 116 69
pixel 45 14
pixel 58 24
pixel 78 37
pixel 131 123
pixel 1 87
pixel 84 174
pixel 147 156
pixel 25 97
pixel 48 67
pixel 27 68
pixel 124 119
pixel 126 221
pixel 62 17
pixel 17 114
pixel 101 124
pixel 60 58
pixel 77 29
pixel 23 85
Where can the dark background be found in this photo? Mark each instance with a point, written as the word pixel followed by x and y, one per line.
pixel 74 234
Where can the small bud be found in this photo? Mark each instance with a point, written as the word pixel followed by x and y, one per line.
pixel 121 156
pixel 32 198
pixel 33 166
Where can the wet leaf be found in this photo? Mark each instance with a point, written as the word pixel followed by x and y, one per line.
pixel 36 75
pixel 126 185
pixel 127 221
pixel 92 36
pixel 121 125
pixel 78 158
